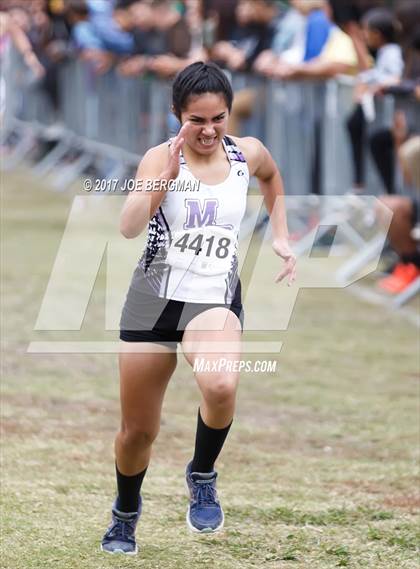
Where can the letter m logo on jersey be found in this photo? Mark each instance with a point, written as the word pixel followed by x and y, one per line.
pixel 199 214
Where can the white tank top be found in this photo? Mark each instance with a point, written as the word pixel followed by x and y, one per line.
pixel 192 244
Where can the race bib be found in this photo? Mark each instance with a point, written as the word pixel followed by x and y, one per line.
pixel 203 251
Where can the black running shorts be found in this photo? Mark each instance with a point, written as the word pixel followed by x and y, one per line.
pixel 149 318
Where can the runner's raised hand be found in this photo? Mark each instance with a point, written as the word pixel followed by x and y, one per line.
pixel 172 168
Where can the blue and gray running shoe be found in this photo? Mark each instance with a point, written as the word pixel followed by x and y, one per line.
pixel 205 514
pixel 120 536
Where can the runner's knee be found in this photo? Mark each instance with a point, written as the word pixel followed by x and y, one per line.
pixel 138 436
pixel 219 389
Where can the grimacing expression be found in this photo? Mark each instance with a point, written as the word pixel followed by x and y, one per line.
pixel 208 114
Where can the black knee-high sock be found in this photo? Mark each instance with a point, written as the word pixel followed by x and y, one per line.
pixel 208 444
pixel 129 491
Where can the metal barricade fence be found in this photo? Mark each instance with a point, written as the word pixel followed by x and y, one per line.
pixel 336 156
pixel 293 115
pixel 302 123
pixel 127 113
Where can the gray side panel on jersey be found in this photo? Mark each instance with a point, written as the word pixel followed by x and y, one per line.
pixel 153 259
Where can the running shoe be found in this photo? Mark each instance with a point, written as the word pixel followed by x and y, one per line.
pixel 204 514
pixel 120 536
pixel 401 277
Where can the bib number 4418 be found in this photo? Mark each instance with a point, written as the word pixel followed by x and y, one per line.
pixel 204 246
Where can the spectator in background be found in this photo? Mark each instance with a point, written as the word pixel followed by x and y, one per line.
pixel 408 15
pixel 312 22
pixel 136 18
pixel 337 56
pixel 380 29
pixel 404 140
pixel 348 16
pixel 194 18
pixel 289 42
pixel 96 33
pixel 318 28
pixel 407 94
pixel 405 221
pixel 14 28
pixel 409 156
pixel 163 42
pixel 11 33
pixel 153 26
pixel 52 46
pixel 300 37
pixel 253 33
pixel 41 34
pixel 385 142
pixel 219 19
pixel 173 38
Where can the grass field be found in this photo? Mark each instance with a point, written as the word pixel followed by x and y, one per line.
pixel 320 469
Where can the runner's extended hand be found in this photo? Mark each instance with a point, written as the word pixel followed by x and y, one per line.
pixel 282 249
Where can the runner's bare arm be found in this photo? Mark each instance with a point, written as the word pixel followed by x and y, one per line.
pixel 160 163
pixel 262 166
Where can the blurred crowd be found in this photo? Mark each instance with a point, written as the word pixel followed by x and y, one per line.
pixel 377 42
pixel 300 38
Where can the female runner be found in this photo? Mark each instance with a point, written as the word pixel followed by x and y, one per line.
pixel 186 290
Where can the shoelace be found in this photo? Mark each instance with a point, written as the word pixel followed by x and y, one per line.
pixel 122 528
pixel 205 493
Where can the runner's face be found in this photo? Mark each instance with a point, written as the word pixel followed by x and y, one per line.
pixel 208 115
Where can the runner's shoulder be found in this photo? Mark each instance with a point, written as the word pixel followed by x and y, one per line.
pixel 252 148
pixel 156 153
pixel 155 157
